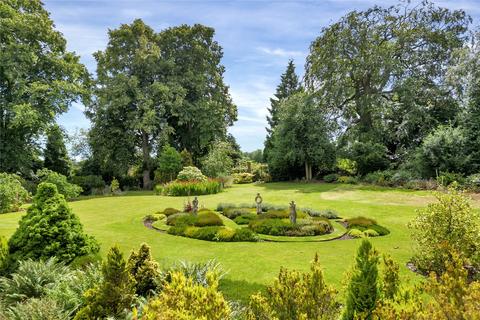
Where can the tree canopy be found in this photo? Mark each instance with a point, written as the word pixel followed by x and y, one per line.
pixel 39 79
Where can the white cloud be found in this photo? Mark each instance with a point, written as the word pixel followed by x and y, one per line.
pixel 282 52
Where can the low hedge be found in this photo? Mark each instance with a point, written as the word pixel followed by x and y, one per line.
pixel 245 218
pixel 202 219
pixel 191 188
pixel 283 227
pixel 214 233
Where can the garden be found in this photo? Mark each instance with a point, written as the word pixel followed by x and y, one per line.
pixel 361 203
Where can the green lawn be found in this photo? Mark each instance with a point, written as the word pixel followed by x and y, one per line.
pixel 251 266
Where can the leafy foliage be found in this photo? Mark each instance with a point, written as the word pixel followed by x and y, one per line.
pixel 296 296
pixel 12 193
pixel 90 184
pixel 41 81
pixel 302 138
pixel 67 189
pixel 169 163
pixel 191 173
pixel 218 161
pixel 448 223
pixel 49 228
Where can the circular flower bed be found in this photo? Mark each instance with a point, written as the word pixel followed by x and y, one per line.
pixel 360 227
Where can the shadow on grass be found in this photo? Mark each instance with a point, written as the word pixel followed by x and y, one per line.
pixel 318 186
pixel 302 187
pixel 240 290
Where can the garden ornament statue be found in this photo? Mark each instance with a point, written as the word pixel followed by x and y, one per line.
pixel 293 212
pixel 195 206
pixel 258 201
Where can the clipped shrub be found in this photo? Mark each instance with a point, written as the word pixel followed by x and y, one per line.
pixel 274 227
pixel 69 190
pixel 245 218
pixel 232 213
pixel 169 211
pixel 90 184
pixel 280 214
pixel 382 231
pixel 181 219
pixel 360 222
pixel 245 234
pixel 329 178
pixel 191 174
pixel 244 177
pixel 327 213
pixel 169 164
pixel 347 179
pixel 192 188
pixel 355 233
pixel 206 233
pixel 12 193
pixel 208 218
pixel 370 233
pixel 225 235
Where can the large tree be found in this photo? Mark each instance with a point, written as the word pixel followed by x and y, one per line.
pixel 132 97
pixel 381 72
pixel 288 86
pixel 301 138
pixel 55 153
pixel 207 108
pixel 39 79
pixel 154 88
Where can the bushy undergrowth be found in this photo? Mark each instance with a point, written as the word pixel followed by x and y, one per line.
pixel 12 193
pixel 243 177
pixel 191 188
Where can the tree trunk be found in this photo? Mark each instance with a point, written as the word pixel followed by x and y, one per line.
pixel 146 161
pixel 308 171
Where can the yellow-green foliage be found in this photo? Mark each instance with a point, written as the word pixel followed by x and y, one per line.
pixel 114 295
pixel 449 296
pixel 450 222
pixel 183 299
pixel 115 186
pixel 296 296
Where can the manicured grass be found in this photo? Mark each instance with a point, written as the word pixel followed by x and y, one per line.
pixel 251 266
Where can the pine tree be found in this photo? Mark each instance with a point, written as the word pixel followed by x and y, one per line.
pixel 363 289
pixel 49 228
pixel 114 295
pixel 55 153
pixel 288 86
pixel 144 269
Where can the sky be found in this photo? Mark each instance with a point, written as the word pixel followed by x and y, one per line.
pixel 258 38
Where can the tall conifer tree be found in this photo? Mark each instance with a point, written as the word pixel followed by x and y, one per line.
pixel 288 86
pixel 56 155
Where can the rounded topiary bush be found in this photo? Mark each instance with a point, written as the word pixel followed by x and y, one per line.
pixel 208 218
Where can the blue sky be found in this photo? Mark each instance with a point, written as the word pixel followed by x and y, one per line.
pixel 258 38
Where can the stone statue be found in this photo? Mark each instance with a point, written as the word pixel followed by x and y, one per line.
pixel 293 212
pixel 258 202
pixel 195 206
